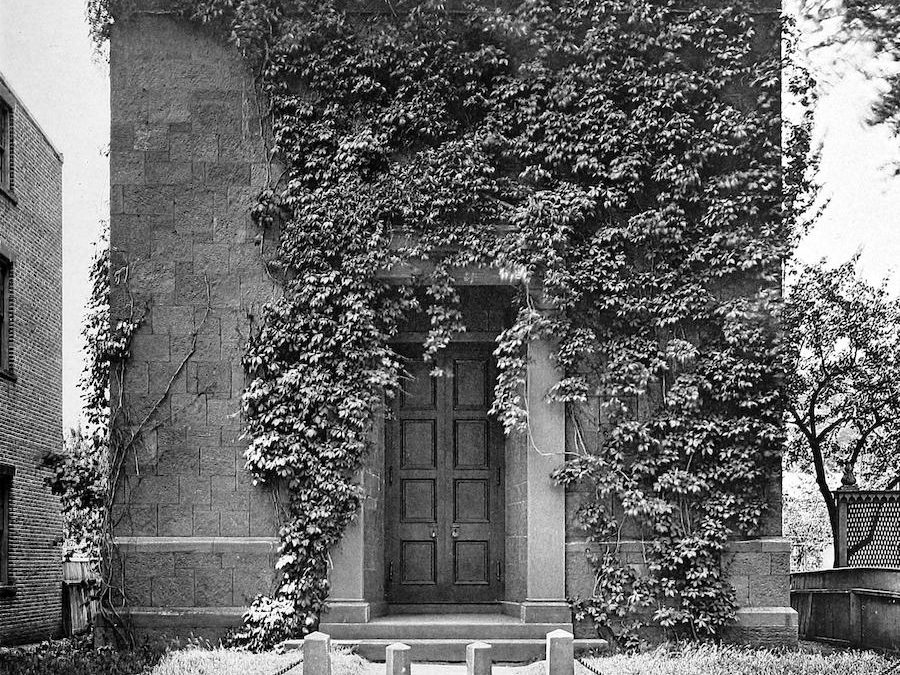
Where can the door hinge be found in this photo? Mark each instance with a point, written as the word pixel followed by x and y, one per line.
pixel 499 571
pixel 390 475
pixel 499 476
pixel 390 572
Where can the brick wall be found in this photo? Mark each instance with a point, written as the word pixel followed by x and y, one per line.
pixel 30 401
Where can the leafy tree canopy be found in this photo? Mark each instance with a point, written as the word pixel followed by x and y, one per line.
pixel 864 24
pixel 842 382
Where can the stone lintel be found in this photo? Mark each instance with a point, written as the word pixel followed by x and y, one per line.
pixel 761 545
pixel 404 273
pixel 539 611
pixel 184 616
pixel 766 617
pixel 348 611
pixel 196 544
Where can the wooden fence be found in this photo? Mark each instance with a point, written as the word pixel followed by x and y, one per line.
pixel 80 605
pixel 853 606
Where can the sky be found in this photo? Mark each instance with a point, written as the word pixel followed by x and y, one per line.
pixel 48 58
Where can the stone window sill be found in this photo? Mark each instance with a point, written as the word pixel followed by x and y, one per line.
pixel 7 591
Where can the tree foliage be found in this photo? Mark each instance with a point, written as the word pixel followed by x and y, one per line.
pixel 619 162
pixel 864 24
pixel 807 526
pixel 842 347
pixel 78 476
pixel 80 468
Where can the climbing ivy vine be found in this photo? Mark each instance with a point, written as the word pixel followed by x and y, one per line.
pixel 619 162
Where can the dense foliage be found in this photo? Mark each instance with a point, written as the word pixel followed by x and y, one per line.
pixel 76 656
pixel 865 27
pixel 805 523
pixel 78 476
pixel 619 162
pixel 842 347
pixel 80 469
pixel 85 471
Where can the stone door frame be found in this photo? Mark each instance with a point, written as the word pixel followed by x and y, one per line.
pixel 357 587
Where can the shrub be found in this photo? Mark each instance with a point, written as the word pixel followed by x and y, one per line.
pixel 77 657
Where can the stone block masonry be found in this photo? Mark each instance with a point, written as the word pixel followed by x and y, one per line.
pixel 186 160
pixel 757 569
pixel 196 539
pixel 31 387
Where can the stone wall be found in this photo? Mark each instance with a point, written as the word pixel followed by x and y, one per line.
pixel 187 157
pixel 516 493
pixel 31 391
pixel 186 161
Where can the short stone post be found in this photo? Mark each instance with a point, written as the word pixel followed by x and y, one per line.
pixel 560 653
pixel 317 654
pixel 478 659
pixel 396 659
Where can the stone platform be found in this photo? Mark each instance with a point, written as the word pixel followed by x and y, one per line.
pixel 437 638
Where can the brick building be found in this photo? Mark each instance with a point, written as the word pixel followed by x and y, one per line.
pixel 195 538
pixel 30 374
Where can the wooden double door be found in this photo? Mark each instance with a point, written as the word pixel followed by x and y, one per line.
pixel 444 461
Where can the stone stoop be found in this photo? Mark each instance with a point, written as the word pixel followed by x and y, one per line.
pixel 444 637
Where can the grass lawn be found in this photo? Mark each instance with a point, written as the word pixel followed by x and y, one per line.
pixel 195 661
pixel 703 660
pixel 78 658
pixel 713 660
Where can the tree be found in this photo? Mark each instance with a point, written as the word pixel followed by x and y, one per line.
pixel 842 378
pixel 867 23
pixel 78 477
pixel 80 469
pixel 805 524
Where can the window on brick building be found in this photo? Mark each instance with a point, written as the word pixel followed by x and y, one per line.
pixel 6 475
pixel 5 275
pixel 5 146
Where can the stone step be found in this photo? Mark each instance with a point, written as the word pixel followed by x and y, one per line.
pixel 444 637
pixel 454 650
pixel 472 627
pixel 443 607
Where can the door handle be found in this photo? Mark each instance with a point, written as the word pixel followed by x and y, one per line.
pixel 454 532
pixel 433 533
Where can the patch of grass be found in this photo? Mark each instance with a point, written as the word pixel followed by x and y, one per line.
pixel 726 660
pixel 222 661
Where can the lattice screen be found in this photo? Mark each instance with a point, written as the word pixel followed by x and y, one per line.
pixel 873 528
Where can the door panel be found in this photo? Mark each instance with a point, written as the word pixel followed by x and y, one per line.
pixel 418 562
pixel 470 444
pixel 419 443
pixel 445 493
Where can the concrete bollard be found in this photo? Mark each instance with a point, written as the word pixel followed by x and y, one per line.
pixel 478 659
pixel 317 654
pixel 396 659
pixel 560 653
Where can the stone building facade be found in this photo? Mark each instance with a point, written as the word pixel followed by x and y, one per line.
pixel 486 532
pixel 30 374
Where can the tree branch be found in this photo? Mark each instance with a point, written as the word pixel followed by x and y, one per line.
pixel 861 442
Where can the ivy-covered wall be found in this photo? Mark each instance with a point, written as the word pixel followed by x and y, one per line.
pixel 657 245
